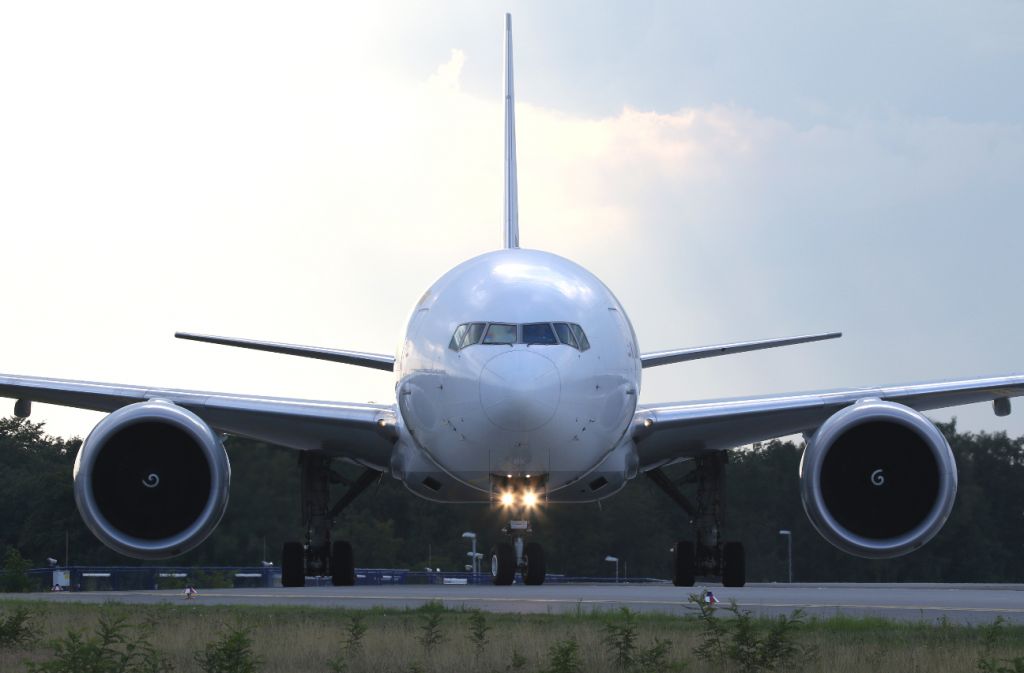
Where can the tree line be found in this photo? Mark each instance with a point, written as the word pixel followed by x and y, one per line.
pixel 983 541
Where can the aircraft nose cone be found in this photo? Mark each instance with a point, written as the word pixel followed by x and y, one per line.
pixel 519 390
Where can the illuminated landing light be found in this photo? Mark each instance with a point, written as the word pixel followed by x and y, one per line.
pixel 507 499
pixel 530 499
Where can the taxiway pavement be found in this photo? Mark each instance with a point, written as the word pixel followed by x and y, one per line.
pixel 958 603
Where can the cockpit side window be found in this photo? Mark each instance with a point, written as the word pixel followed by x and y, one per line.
pixel 466 334
pixel 501 333
pixel 565 334
pixel 460 333
pixel 581 338
pixel 539 334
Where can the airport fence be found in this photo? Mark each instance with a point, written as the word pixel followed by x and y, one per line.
pixel 148 578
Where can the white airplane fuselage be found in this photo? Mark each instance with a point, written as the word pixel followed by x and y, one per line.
pixel 547 415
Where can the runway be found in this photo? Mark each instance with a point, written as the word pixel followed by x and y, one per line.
pixel 958 603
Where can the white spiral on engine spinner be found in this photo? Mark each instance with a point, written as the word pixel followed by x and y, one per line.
pixel 152 481
pixel 877 477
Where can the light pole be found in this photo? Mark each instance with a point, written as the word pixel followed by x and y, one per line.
pixel 615 560
pixel 789 546
pixel 476 559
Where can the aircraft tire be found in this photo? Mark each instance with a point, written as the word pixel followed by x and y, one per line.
pixel 533 557
pixel 293 565
pixel 682 564
pixel 343 569
pixel 503 564
pixel 734 565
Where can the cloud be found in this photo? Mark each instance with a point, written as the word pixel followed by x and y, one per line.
pixel 310 191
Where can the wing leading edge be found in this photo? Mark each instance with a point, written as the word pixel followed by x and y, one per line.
pixel 371 360
pixel 362 433
pixel 668 432
pixel 700 352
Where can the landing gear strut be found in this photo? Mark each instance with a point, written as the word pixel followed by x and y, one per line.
pixel 518 555
pixel 709 556
pixel 318 556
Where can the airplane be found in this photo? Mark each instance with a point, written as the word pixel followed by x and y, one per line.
pixel 516 386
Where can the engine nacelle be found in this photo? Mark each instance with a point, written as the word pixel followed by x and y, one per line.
pixel 878 479
pixel 152 480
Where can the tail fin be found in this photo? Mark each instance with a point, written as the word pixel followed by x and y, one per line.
pixel 510 215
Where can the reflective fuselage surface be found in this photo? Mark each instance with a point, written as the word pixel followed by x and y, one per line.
pixel 552 411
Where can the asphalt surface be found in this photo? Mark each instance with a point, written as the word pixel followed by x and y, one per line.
pixel 958 603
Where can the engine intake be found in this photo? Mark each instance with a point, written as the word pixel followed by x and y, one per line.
pixel 878 479
pixel 152 480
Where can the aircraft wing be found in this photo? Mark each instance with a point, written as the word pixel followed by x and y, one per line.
pixel 665 433
pixel 363 433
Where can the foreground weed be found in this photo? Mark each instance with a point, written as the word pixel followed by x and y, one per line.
pixel 655 659
pixel 231 653
pixel 353 646
pixel 478 629
pixel 990 635
pixel 516 663
pixel 621 640
pixel 564 657
pixel 743 641
pixel 431 628
pixel 16 629
pixel 112 649
pixel 713 632
pixel 356 633
pixel 1015 665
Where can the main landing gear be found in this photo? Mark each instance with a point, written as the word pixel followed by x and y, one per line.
pixel 709 556
pixel 318 555
pixel 525 557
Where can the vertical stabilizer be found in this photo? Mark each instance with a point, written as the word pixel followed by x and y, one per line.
pixel 510 215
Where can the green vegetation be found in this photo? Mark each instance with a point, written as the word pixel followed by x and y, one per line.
pixel 16 628
pixel 353 646
pixel 115 647
pixel 478 629
pixel 192 638
pixel 751 645
pixel 564 657
pixel 431 635
pixel 230 653
pixel 391 528
pixel 15 578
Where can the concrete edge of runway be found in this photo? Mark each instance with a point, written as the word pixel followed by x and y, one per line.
pixel 927 603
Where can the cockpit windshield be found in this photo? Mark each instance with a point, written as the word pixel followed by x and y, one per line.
pixel 500 333
pixel 539 333
pixel 531 334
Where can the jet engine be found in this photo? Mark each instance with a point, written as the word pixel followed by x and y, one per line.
pixel 878 479
pixel 152 480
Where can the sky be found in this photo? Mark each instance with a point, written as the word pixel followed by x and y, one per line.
pixel 303 172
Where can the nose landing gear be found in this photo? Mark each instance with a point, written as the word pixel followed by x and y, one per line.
pixel 521 556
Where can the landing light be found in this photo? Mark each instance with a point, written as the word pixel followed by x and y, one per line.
pixel 530 499
pixel 507 499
